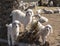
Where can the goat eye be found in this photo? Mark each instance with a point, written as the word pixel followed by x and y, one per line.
pixel 27 12
pixel 31 12
pixel 19 25
pixel 47 29
pixel 16 26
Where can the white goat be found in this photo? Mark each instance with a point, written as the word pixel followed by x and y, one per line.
pixel 23 5
pixel 57 10
pixel 23 18
pixel 39 11
pixel 51 3
pixel 13 32
pixel 48 11
pixel 32 5
pixel 41 19
pixel 43 31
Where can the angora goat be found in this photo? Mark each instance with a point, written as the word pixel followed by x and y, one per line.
pixel 41 18
pixel 23 18
pixel 48 11
pixel 57 10
pixel 13 32
pixel 40 30
pixel 44 31
pixel 23 5
pixel 39 11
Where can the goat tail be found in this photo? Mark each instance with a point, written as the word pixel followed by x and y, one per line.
pixel 7 25
pixel 51 29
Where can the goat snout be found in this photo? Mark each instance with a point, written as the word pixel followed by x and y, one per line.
pixel 47 29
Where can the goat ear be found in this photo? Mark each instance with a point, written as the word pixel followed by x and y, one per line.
pixel 11 14
pixel 51 30
pixel 19 24
pixel 6 25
